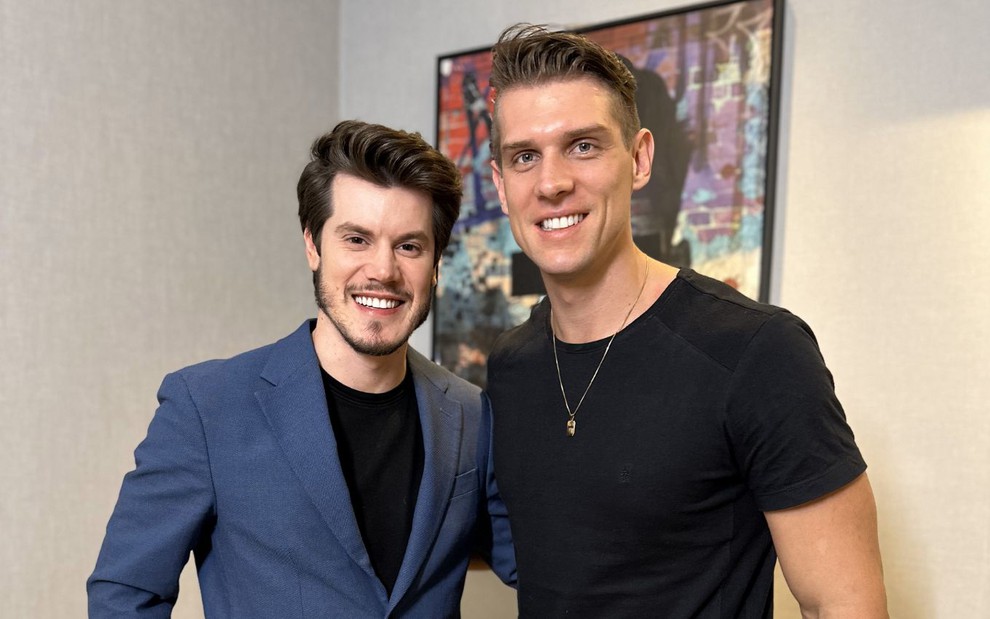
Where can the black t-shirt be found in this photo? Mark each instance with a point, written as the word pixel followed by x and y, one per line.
pixel 380 445
pixel 709 409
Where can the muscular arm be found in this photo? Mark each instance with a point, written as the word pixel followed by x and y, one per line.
pixel 830 554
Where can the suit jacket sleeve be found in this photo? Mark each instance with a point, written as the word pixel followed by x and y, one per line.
pixel 165 506
pixel 495 543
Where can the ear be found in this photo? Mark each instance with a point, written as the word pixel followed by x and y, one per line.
pixel 500 185
pixel 436 274
pixel 642 158
pixel 312 253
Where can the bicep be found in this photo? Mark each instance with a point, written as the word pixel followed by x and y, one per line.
pixel 830 554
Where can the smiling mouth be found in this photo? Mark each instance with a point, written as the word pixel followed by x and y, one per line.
pixel 377 303
pixel 560 223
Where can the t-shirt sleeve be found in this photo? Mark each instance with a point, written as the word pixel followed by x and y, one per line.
pixel 788 431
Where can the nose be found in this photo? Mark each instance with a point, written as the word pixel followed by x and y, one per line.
pixel 555 178
pixel 382 265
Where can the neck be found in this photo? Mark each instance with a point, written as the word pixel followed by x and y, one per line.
pixel 367 373
pixel 594 309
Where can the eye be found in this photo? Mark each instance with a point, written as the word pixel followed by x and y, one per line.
pixel 410 249
pixel 354 240
pixel 584 147
pixel 525 158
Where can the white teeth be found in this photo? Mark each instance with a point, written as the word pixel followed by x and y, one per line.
pixel 376 303
pixel 559 223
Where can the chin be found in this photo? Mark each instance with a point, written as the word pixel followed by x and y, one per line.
pixel 378 348
pixel 563 266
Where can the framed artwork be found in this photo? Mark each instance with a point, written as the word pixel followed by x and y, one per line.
pixel 709 81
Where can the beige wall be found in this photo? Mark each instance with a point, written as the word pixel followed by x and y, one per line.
pixel 148 156
pixel 148 159
pixel 883 216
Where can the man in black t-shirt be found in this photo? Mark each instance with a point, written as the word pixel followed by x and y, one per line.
pixel 659 438
pixel 336 472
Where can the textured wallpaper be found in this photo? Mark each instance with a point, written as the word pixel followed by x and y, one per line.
pixel 149 153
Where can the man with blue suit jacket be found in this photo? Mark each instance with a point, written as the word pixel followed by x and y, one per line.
pixel 336 472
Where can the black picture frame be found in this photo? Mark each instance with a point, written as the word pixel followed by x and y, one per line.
pixel 709 90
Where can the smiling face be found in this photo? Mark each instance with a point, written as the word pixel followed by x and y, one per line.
pixel 566 177
pixel 375 267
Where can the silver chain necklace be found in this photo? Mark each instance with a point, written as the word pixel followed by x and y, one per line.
pixel 571 423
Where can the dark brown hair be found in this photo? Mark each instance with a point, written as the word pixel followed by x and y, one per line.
pixel 531 55
pixel 386 157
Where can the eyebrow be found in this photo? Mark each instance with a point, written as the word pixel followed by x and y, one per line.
pixel 416 235
pixel 596 130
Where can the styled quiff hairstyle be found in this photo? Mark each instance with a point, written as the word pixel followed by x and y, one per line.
pixel 383 156
pixel 530 55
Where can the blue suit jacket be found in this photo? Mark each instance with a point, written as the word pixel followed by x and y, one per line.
pixel 240 466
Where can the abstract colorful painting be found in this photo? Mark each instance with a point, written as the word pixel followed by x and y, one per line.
pixel 708 90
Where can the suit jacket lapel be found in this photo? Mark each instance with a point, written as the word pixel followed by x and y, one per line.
pixel 296 408
pixel 441 422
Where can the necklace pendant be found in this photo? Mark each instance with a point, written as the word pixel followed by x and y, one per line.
pixel 571 427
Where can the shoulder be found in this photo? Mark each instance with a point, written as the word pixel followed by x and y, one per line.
pixel 523 338
pixel 221 369
pixel 218 372
pixel 243 372
pixel 721 322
